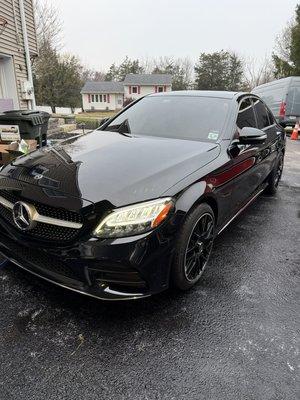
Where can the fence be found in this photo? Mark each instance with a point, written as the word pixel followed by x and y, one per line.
pixel 59 110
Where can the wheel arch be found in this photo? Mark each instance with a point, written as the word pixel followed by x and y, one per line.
pixel 212 202
pixel 196 195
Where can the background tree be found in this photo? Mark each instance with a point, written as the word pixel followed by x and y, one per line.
pixel 70 81
pixel 49 27
pixel 286 56
pixel 221 70
pixel 113 73
pixel 128 66
pixel 295 43
pixel 89 74
pixel 45 80
pixel 257 72
pixel 180 69
pixel 57 79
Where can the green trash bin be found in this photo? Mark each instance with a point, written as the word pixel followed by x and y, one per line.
pixel 32 124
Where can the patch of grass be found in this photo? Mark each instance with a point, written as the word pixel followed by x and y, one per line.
pixel 92 120
pixel 90 123
pixel 97 114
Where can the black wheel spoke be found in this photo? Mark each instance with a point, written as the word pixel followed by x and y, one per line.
pixel 199 247
pixel 191 249
pixel 191 265
pixel 279 172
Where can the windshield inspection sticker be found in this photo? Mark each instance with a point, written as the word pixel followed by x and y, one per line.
pixel 213 136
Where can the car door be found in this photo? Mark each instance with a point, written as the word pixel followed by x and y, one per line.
pixel 268 150
pixel 239 173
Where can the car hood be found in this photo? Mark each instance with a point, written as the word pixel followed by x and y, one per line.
pixel 107 166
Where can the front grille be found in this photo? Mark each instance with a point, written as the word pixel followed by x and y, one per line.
pixel 40 259
pixel 44 231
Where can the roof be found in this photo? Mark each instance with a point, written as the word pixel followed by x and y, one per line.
pixel 148 79
pixel 201 93
pixel 103 87
pixel 280 81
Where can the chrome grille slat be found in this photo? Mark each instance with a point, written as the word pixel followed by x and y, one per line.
pixel 49 226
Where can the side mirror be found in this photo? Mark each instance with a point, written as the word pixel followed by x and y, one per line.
pixel 103 121
pixel 250 135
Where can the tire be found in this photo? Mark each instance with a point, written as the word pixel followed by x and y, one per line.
pixel 275 176
pixel 195 239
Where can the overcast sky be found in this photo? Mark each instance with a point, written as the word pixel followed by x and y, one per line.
pixel 101 32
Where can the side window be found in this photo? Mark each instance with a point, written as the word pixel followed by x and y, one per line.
pixel 271 117
pixel 261 114
pixel 246 115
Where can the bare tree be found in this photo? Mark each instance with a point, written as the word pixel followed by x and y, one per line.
pixel 181 70
pixel 89 74
pixel 257 72
pixel 148 64
pixel 49 27
pixel 283 42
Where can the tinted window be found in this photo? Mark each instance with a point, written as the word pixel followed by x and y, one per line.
pixel 246 115
pixel 271 117
pixel 180 117
pixel 261 114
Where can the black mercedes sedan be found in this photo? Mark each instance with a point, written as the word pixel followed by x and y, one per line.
pixel 132 208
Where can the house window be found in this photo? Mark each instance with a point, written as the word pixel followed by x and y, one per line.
pixel 160 89
pixel 93 98
pixel 104 98
pixel 100 98
pixel 134 89
pixel 96 98
pixel 8 89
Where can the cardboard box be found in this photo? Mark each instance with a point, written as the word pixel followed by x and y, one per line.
pixel 9 133
pixel 6 157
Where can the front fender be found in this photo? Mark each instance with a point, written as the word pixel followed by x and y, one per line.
pixel 197 193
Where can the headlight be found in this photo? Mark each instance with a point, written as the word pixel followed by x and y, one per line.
pixel 133 220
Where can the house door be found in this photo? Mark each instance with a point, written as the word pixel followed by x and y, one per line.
pixel 8 87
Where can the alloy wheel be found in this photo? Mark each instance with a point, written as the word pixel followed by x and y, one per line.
pixel 279 171
pixel 199 247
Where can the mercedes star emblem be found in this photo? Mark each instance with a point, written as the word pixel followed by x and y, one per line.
pixel 23 215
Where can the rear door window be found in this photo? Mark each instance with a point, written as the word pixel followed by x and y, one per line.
pixel 246 115
pixel 261 114
pixel 271 117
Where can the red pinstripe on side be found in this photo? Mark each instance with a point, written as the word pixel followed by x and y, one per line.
pixel 228 175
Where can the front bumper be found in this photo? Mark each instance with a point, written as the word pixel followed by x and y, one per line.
pixel 119 269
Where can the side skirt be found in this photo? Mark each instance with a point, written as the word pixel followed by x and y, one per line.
pixel 242 209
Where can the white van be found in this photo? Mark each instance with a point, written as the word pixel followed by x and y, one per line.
pixel 283 98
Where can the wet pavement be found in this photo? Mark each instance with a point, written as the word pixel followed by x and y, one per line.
pixel 235 336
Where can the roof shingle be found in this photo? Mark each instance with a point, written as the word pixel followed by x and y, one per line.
pixel 148 79
pixel 103 87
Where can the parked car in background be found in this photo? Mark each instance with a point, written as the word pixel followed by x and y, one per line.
pixel 283 98
pixel 133 207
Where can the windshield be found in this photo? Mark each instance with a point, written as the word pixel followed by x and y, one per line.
pixel 178 117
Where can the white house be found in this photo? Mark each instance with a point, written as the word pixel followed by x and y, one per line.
pixel 138 85
pixel 18 46
pixel 102 96
pixel 111 95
